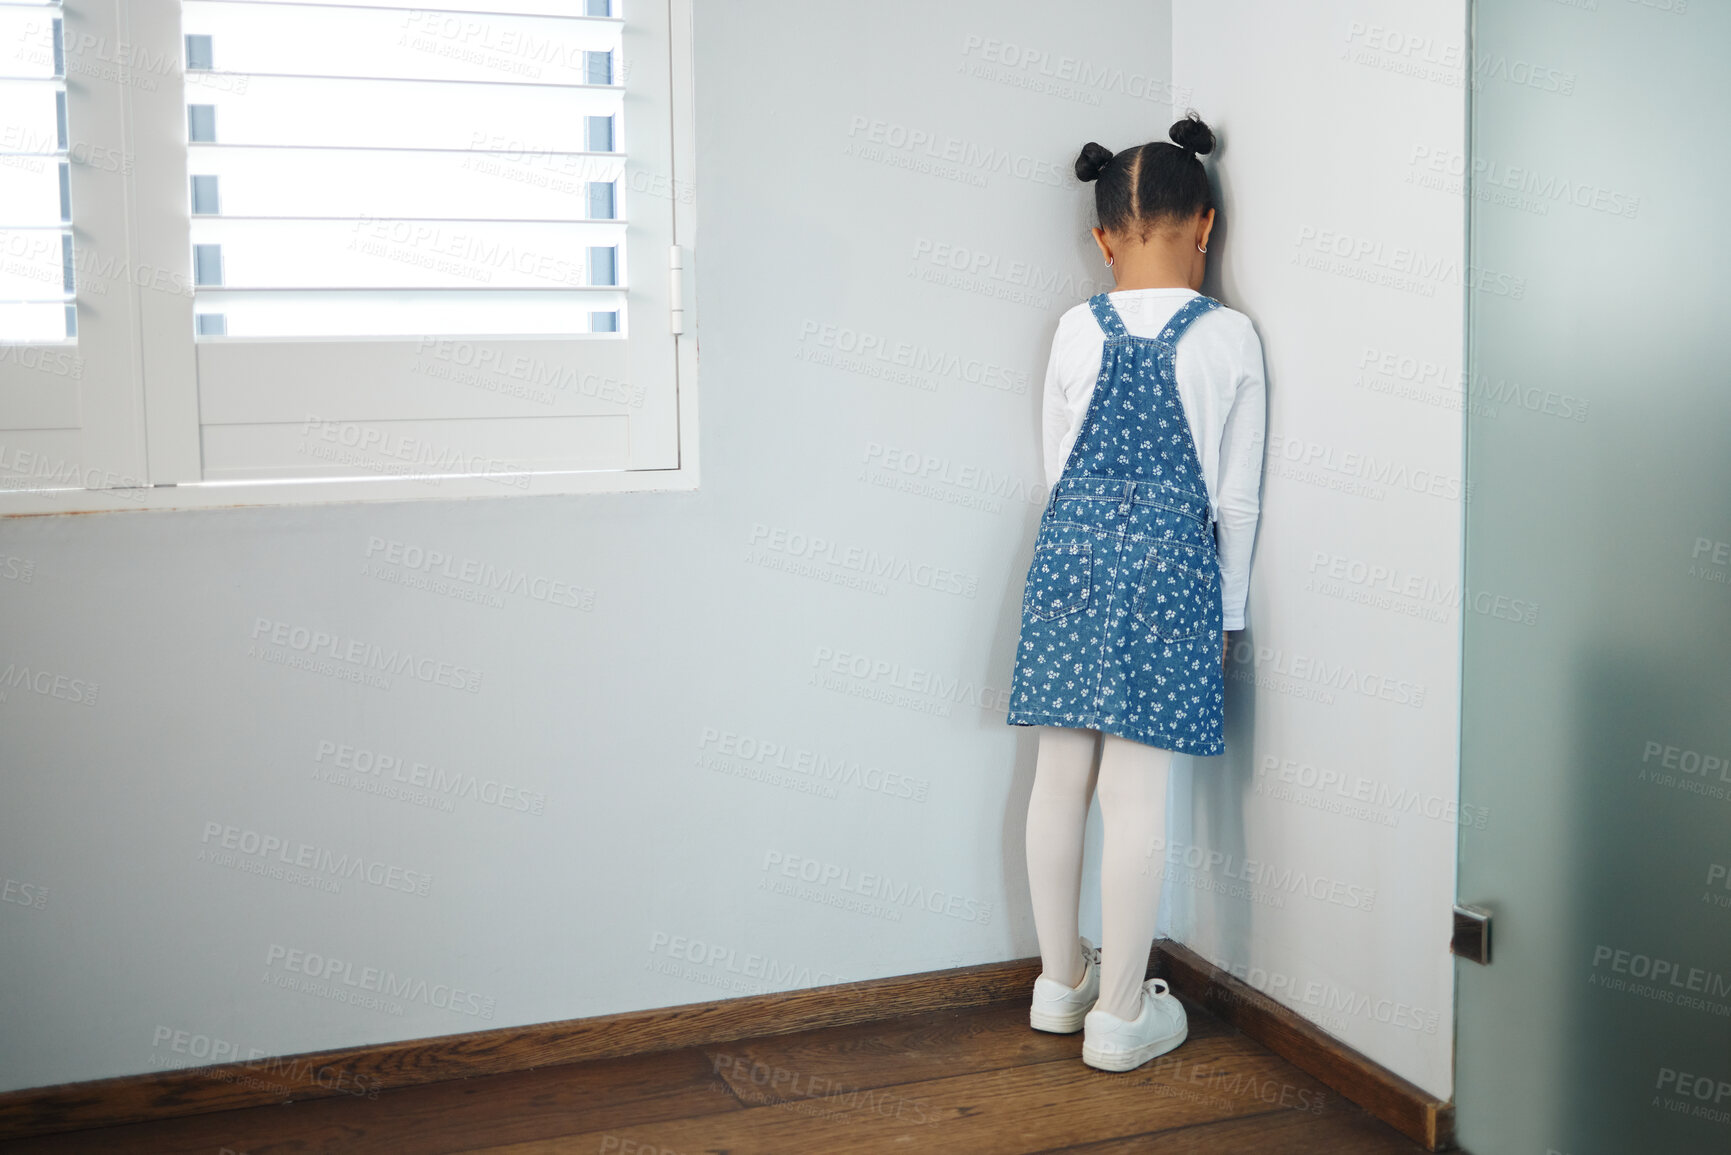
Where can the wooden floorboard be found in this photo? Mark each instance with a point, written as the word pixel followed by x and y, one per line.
pixel 1403 1105
pixel 976 1079
pixel 877 1055
pixel 431 1118
pixel 1343 1130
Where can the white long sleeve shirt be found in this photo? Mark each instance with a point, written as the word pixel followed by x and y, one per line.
pixel 1221 385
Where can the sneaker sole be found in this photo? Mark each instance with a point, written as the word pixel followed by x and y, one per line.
pixel 1130 1060
pixel 1058 1023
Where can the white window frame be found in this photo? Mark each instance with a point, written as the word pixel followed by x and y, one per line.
pixel 163 419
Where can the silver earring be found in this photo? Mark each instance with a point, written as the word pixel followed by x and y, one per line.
pixel 1108 262
pixel 1201 248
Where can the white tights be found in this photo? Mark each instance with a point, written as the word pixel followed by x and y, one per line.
pixel 1132 785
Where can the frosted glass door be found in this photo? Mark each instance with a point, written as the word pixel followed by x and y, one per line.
pixel 1598 735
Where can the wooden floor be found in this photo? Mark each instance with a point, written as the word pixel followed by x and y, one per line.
pixel 955 1082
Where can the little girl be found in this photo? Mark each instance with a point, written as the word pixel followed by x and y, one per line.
pixel 1154 412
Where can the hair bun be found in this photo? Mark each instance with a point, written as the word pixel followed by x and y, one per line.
pixel 1093 158
pixel 1192 135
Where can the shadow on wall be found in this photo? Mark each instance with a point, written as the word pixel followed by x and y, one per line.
pixel 1205 802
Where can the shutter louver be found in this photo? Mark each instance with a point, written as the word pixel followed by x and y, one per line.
pixel 36 278
pixel 288 228
pixel 72 75
pixel 397 183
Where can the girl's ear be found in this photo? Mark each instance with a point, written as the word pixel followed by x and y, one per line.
pixel 1204 228
pixel 1100 239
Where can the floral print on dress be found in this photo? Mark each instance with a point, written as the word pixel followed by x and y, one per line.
pixel 1121 612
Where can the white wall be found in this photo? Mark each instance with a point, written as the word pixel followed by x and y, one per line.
pixel 705 629
pixel 615 716
pixel 1345 247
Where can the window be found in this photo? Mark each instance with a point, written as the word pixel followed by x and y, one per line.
pixel 380 251
pixel 35 186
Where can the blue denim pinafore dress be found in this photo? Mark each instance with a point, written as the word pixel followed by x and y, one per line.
pixel 1121 613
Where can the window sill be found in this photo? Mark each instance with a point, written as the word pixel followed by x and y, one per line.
pixel 267 495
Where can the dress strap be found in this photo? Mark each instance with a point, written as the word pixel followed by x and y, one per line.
pixel 1108 316
pixel 1187 313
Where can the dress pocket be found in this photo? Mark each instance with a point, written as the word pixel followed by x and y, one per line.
pixel 1059 580
pixel 1177 593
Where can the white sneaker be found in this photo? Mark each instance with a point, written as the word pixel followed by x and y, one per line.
pixel 1061 1009
pixel 1113 1044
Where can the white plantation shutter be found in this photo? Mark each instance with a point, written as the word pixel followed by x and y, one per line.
pixel 415 241
pixel 35 181
pixel 249 242
pixel 35 178
pixel 72 307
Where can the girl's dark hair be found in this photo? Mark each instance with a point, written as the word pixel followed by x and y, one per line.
pixel 1144 186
